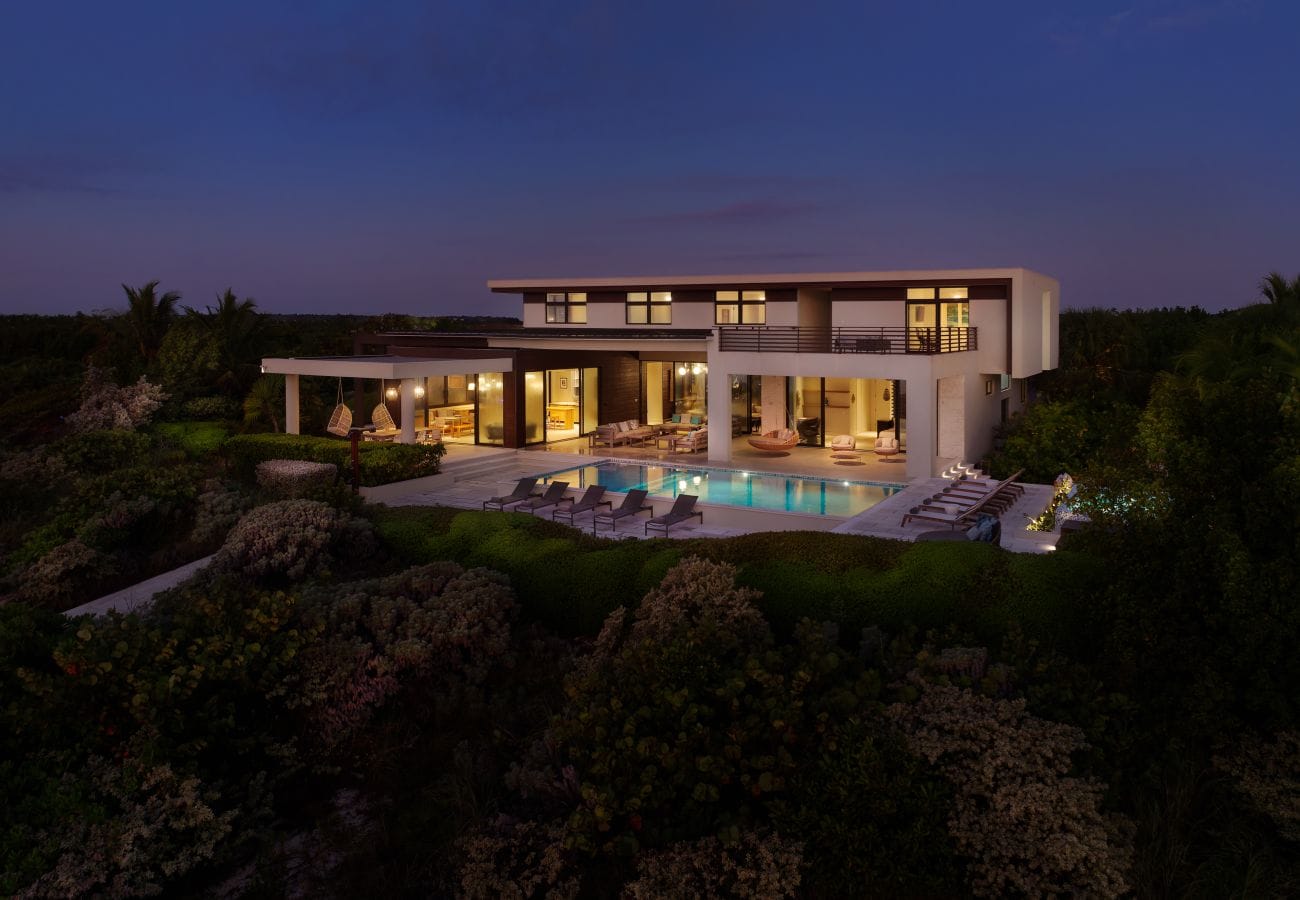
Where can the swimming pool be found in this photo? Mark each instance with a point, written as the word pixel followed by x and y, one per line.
pixel 783 493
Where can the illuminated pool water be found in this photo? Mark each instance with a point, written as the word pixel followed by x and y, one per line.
pixel 783 493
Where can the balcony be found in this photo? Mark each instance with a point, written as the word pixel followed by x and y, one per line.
pixel 880 339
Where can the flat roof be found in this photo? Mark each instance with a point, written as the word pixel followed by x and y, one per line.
pixel 516 285
pixel 391 368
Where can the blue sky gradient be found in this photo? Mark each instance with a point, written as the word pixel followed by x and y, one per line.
pixel 391 157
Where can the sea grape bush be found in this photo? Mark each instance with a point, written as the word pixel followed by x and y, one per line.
pixel 1027 825
pixel 517 860
pixel 1268 774
pixel 436 628
pixel 106 405
pixel 285 541
pixel 759 866
pixel 216 511
pixel 57 579
pixel 153 827
pixel 871 815
pixel 689 718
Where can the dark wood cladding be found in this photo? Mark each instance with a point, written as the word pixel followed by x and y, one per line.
pixel 620 390
pixel 976 290
pixel 680 295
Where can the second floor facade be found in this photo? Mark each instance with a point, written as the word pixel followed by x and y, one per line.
pixel 1004 319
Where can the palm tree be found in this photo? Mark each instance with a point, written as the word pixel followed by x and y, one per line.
pixel 1280 292
pixel 234 325
pixel 147 318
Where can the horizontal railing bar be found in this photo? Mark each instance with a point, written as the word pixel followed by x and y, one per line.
pixel 862 339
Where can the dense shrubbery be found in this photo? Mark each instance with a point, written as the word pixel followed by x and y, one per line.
pixel 136 749
pixel 381 463
pixel 571 581
pixel 285 541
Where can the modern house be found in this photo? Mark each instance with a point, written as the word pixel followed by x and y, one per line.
pixel 938 357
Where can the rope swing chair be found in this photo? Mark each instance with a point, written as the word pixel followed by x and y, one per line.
pixel 341 418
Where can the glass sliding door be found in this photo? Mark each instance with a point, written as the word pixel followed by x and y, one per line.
pixel 807 402
pixel 488 389
pixel 589 398
pixel 563 388
pixel 534 407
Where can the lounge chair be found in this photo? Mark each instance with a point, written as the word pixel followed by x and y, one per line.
pixel 590 502
pixel 844 443
pixel 780 441
pixel 554 494
pixel 886 444
pixel 633 503
pixel 690 441
pixel 523 490
pixel 683 509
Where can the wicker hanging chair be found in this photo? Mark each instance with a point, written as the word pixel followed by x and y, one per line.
pixel 341 418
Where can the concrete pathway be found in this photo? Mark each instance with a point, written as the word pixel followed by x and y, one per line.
pixel 139 595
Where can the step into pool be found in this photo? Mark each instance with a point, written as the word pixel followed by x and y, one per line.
pixel 729 487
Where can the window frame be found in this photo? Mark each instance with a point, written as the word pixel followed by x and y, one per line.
pixel 649 305
pixel 744 307
pixel 565 307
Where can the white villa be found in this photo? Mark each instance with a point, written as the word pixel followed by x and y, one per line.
pixel 936 358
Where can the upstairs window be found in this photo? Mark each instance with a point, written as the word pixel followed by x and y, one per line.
pixel 954 307
pixel 567 308
pixel 649 308
pixel 740 307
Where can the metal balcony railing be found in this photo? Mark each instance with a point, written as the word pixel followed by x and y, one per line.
pixel 880 339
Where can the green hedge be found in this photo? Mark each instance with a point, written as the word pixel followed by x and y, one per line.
pixel 571 581
pixel 381 463
pixel 198 439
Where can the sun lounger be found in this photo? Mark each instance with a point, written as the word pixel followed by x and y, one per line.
pixel 523 490
pixel 683 509
pixel 554 494
pixel 590 502
pixel 633 503
pixel 954 513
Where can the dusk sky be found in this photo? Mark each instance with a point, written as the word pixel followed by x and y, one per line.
pixel 392 157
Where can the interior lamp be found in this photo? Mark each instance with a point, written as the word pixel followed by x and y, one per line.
pixel 681 370
pixel 695 369
pixel 419 392
pixel 471 385
pixel 391 393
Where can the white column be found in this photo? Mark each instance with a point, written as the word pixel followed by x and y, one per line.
pixel 719 388
pixel 291 404
pixel 407 435
pixel 920 427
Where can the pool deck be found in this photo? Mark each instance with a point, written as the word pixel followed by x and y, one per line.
pixel 472 474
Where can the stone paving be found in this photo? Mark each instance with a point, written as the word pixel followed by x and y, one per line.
pixel 467 485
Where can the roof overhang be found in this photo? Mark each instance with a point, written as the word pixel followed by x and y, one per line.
pixel 391 368
pixel 790 279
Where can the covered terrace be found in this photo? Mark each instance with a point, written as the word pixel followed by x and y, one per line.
pixel 408 371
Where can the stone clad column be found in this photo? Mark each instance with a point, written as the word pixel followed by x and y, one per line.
pixel 719 406
pixel 920 427
pixel 407 433
pixel 291 404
